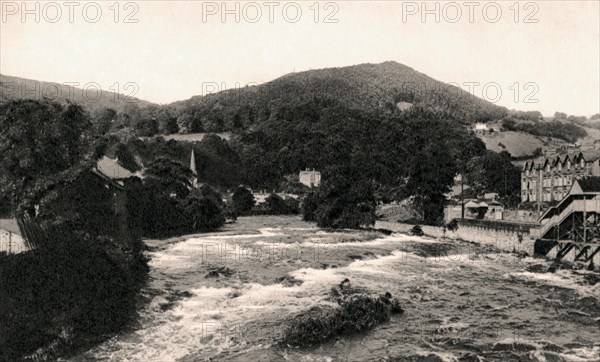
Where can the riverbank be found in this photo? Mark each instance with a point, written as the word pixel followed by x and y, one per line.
pixel 230 296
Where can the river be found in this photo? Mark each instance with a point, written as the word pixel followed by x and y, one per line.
pixel 228 296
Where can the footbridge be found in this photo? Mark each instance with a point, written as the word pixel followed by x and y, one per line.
pixel 573 226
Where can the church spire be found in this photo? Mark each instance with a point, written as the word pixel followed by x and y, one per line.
pixel 193 168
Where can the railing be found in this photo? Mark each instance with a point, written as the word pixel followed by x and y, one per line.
pixel 575 206
pixel 503 225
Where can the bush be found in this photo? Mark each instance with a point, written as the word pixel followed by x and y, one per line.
pixel 293 206
pixel 452 225
pixel 417 230
pixel 276 205
pixel 357 313
pixel 243 201
pixel 309 207
pixel 73 290
pixel 202 214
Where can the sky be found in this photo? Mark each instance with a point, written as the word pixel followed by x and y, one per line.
pixel 523 55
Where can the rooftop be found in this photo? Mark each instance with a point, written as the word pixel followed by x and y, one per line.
pixel 112 169
pixel 590 184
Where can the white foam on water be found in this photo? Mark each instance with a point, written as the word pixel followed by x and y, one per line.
pixel 561 278
pixel 209 321
pixel 444 356
pixel 214 320
pixel 583 354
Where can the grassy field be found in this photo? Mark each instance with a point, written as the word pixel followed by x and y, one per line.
pixel 191 137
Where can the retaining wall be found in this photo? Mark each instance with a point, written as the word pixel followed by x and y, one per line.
pixel 502 239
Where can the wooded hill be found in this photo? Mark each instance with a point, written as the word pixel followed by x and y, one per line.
pixel 366 87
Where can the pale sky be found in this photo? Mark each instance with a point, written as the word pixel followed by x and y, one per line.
pixel 547 50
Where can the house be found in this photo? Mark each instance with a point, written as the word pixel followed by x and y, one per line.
pixel 474 209
pixel 11 238
pixel 551 179
pixel 453 210
pixel 310 178
pixel 480 128
pixel 495 211
pixel 490 196
pixel 111 169
pixel 94 196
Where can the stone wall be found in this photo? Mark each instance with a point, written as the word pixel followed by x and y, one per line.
pixel 506 240
pixel 502 239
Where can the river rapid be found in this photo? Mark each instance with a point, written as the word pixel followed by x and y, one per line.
pixel 228 296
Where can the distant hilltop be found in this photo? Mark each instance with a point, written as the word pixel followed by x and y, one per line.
pixel 91 96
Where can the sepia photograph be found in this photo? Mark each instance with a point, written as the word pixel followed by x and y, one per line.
pixel 309 180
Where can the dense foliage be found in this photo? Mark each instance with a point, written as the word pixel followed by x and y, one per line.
pixel 344 202
pixel 165 206
pixel 38 139
pixel 243 200
pixel 80 282
pixel 495 172
pixel 395 155
pixel 367 87
pixel 562 130
pixel 357 313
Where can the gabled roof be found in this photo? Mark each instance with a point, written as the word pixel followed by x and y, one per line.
pixel 589 184
pixel 471 204
pixel 10 225
pixel 590 156
pixel 581 187
pixel 112 169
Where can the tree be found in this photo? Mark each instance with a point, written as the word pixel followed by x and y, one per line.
pixel 560 116
pixel 169 177
pixel 185 123
pixel 102 120
pixel 494 172
pixel 202 213
pixel 167 123
pixel 209 192
pixel 344 201
pixel 278 206
pixel 430 177
pixel 595 117
pixel 310 204
pixel 243 200
pixel 146 127
pixel 39 139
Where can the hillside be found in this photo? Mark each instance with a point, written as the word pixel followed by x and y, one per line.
pixel 368 87
pixel 522 144
pixel 519 144
pixel 20 88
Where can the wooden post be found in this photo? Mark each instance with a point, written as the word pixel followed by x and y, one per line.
pixel 584 219
pixel 9 242
pixel 462 198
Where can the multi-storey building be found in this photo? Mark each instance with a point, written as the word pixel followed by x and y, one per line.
pixel 551 179
pixel 310 178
